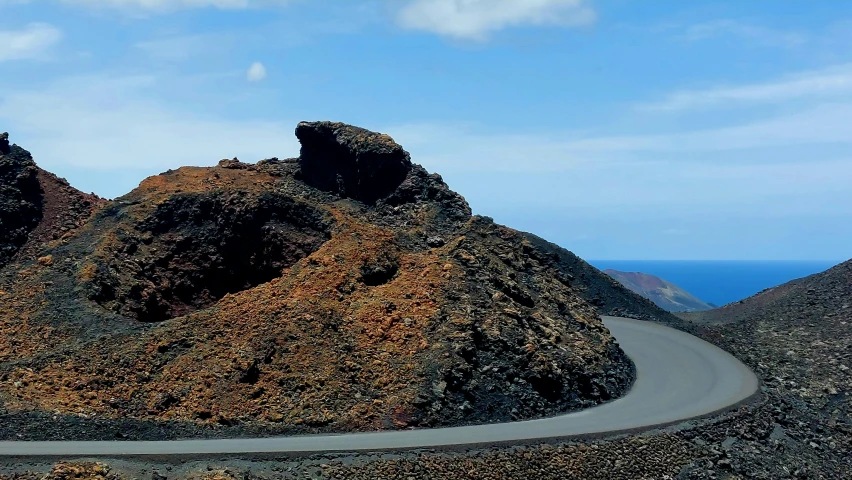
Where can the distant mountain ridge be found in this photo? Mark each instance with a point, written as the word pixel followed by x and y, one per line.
pixel 663 293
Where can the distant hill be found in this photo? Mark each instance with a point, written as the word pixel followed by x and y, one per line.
pixel 666 295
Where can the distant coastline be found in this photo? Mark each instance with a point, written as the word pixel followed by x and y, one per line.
pixel 720 282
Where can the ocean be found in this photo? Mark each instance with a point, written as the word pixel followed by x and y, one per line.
pixel 720 282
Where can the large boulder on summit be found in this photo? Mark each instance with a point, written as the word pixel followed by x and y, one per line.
pixel 351 161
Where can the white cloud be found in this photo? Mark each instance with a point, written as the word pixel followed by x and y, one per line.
pixel 476 19
pixel 793 163
pixel 758 34
pixel 113 123
pixel 159 6
pixel 178 48
pixel 836 80
pixel 796 164
pixel 516 173
pixel 461 148
pixel 256 72
pixel 31 42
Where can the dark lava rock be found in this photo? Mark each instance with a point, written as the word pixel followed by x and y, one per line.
pixel 350 161
pixel 4 143
pixel 20 198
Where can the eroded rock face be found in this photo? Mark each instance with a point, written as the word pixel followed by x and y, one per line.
pixel 350 161
pixel 20 198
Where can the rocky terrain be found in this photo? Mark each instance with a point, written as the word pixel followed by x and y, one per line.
pixel 797 337
pixel 663 293
pixel 346 289
pixel 123 318
pixel 799 427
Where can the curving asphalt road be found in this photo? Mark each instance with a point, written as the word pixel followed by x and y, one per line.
pixel 678 377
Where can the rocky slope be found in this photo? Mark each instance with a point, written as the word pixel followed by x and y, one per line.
pixel 347 289
pixel 36 207
pixel 797 337
pixel 663 293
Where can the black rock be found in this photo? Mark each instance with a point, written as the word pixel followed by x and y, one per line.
pixel 4 144
pixel 435 242
pixel 20 198
pixel 351 161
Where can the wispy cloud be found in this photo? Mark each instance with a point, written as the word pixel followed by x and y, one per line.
pixel 754 33
pixel 477 19
pixel 463 148
pixel 161 6
pixel 33 41
pixel 629 175
pixel 164 5
pixel 824 83
pixel 744 32
pixel 115 122
pixel 179 48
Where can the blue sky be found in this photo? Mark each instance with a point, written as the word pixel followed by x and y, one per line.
pixel 620 129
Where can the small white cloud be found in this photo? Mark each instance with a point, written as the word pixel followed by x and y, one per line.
pixel 30 42
pixel 476 19
pixel 256 72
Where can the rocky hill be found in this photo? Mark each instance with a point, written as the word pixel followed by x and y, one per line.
pixel 346 289
pixel 663 293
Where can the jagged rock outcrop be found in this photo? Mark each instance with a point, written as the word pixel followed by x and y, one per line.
pixel 348 289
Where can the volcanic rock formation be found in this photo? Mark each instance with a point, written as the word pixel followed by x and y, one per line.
pixel 347 289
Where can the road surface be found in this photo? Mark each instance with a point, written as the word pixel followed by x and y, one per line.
pixel 678 377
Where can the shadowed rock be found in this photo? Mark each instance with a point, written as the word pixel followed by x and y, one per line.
pixel 20 198
pixel 351 161
pixel 4 143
